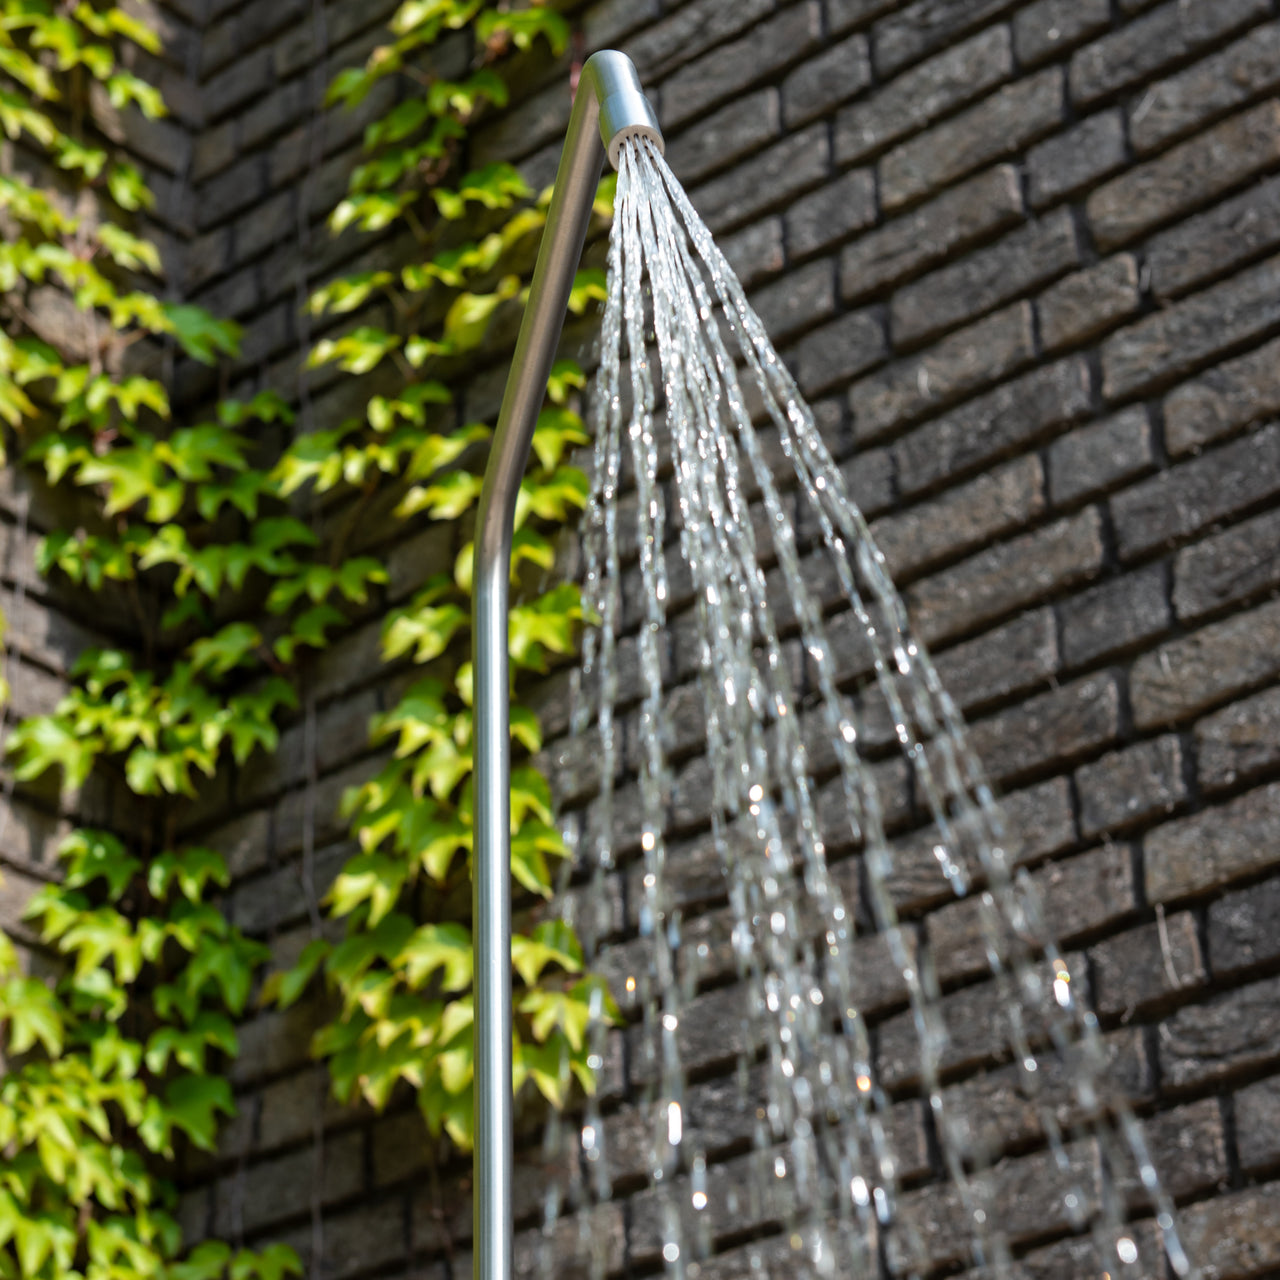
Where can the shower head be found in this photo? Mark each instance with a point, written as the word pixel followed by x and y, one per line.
pixel 624 110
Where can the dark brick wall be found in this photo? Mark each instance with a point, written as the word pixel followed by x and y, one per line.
pixel 1021 256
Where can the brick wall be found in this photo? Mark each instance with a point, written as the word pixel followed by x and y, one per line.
pixel 1020 257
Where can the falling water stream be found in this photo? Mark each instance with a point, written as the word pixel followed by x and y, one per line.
pixel 800 741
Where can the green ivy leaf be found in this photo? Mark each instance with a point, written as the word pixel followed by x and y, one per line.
pixel 208 1261
pixel 552 942
pixel 46 742
pixel 523 26
pixel 557 429
pixel 191 869
pixel 271 1263
pixel 437 948
pixel 225 649
pixel 494 186
pixel 467 320
pixel 371 878
pixel 285 987
pixel 201 336
pixel 356 352
pixel 446 499
pixel 589 285
pixel 34 1014
pixel 193 1104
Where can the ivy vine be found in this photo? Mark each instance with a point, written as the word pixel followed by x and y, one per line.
pixel 126 1052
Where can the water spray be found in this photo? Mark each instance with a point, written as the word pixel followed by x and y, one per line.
pixel 610 107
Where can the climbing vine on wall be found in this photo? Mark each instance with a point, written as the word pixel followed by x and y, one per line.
pixel 192 532
pixel 406 1010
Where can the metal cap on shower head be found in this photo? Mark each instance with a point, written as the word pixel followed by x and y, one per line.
pixel 624 110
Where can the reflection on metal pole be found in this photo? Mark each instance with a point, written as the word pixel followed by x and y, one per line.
pixel 609 107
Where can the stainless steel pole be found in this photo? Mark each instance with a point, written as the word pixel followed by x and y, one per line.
pixel 610 106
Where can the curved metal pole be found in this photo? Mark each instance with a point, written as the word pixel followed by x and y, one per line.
pixel 610 106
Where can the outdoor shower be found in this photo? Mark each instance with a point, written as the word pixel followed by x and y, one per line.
pixel 804 738
pixel 609 107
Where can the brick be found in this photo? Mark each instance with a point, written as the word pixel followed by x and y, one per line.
pixel 1031 1191
pixel 1228 79
pixel 1051 728
pixel 1100 456
pixel 1190 674
pixel 823 83
pixel 997 1109
pixel 1223 399
pixel 995 503
pixel 765 180
pixel 1242 928
pixel 1070 161
pixel 1136 50
pixel 869 477
pixel 918 97
pixel 16 891
pixel 279 1189
pixel 832 213
pixel 934 1226
pixel 997 127
pixel 1130 786
pixel 714 1029
pixel 838 351
pixel 843 14
pixel 1140 970
pixel 249 76
pixel 371 1235
pixel 1052 27
pixel 271 220
pixel 690 30
pixel 978 1022
pixel 289 1106
pixel 1188 1147
pixel 1179 180
pixel 1024 259
pixel 1039 821
pixel 1213 848
pixel 980 207
pixel 539 119
pixel 605 24
pixel 1222 1037
pixel 1257 1126
pixel 1240 742
pixel 1072 1258
pixel 1006 577
pixel 232 191
pixel 1017 657
pixel 733 67
pixel 725 135
pixel 965 361
pixel 926 25
pixel 1086 304
pixel 756 251
pixel 793 303
pixel 1003 421
pixel 275 1043
pixel 212 150
pixel 1228 568
pixel 1225 236
pixel 1186 498
pixel 591 1242
pixel 729 1209
pixel 1191 332
pixel 1086 893
pixel 1234 1236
